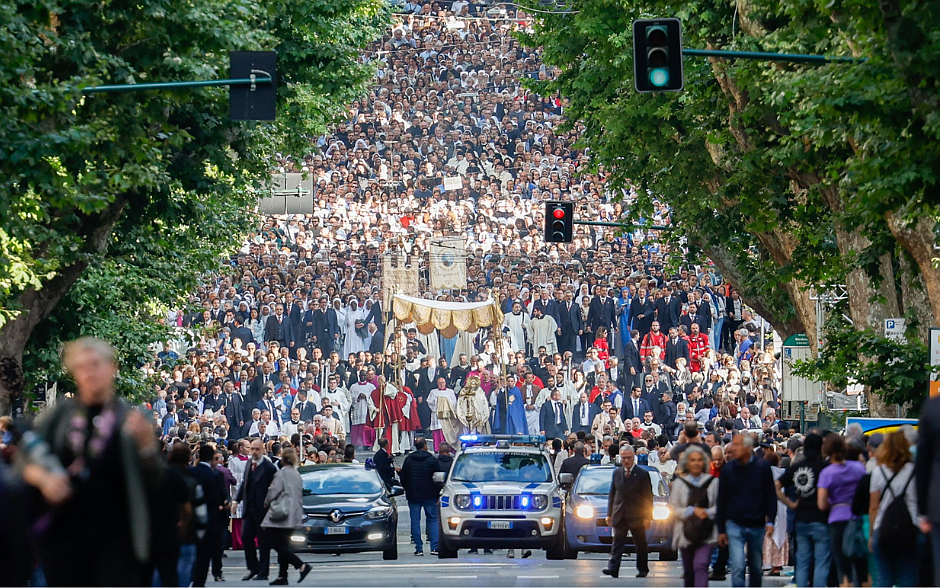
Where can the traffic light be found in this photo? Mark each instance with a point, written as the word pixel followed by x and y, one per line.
pixel 657 55
pixel 559 221
pixel 256 102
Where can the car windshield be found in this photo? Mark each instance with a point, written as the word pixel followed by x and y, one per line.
pixel 502 467
pixel 341 481
pixel 597 481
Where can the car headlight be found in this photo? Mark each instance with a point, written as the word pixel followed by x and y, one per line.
pixel 462 501
pixel 661 512
pixel 378 512
pixel 539 501
pixel 584 511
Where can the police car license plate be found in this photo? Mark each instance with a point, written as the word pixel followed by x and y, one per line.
pixel 499 525
pixel 337 530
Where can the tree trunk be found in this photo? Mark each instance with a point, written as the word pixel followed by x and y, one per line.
pixel 918 239
pixel 35 305
pixel 784 323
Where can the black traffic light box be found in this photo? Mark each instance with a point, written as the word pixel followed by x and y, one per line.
pixel 657 55
pixel 258 102
pixel 559 221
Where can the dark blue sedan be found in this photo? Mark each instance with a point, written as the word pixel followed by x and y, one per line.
pixel 586 513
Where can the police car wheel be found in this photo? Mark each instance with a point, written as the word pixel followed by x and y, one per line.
pixel 391 552
pixel 668 555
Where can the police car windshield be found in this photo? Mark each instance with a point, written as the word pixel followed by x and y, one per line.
pixel 341 481
pixel 597 481
pixel 502 467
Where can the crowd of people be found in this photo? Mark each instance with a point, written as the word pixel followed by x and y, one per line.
pixel 612 344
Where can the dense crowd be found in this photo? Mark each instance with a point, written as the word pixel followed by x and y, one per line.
pixel 611 340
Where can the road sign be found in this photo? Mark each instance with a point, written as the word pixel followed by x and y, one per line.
pixel 894 329
pixel 935 362
pixel 794 388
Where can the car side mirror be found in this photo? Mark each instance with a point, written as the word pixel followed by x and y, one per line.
pixel 396 491
pixel 439 477
pixel 566 479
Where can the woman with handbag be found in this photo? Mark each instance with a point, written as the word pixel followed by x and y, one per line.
pixel 693 500
pixel 284 502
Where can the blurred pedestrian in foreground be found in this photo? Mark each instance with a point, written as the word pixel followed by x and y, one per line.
pixel 93 458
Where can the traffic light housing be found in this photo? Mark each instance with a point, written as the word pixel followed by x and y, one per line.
pixel 255 102
pixel 657 55
pixel 559 221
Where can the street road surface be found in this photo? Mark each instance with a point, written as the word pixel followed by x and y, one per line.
pixel 368 569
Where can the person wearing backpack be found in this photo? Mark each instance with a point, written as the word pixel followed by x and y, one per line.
pixel 693 499
pixel 892 511
pixel 812 534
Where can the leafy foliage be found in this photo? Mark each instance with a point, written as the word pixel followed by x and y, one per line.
pixel 898 371
pixel 796 174
pixel 135 197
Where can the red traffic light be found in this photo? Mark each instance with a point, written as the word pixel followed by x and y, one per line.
pixel 559 213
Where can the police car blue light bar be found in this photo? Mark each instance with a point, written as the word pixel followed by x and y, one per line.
pixel 473 439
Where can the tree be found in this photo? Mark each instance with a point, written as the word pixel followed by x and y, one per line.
pixel 788 176
pixel 113 202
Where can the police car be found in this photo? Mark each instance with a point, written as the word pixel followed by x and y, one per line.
pixel 586 518
pixel 502 492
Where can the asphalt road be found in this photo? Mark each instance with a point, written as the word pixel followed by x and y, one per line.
pixel 368 569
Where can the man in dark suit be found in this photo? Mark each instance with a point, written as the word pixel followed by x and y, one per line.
pixel 696 316
pixel 552 417
pixel 746 420
pixel 618 375
pixel 573 464
pixel 583 413
pixel 642 311
pixel 668 310
pixel 632 364
pixel 215 496
pixel 307 408
pixel 234 410
pixel 278 328
pixel 927 471
pixel 601 312
pixel 676 347
pixel 629 510
pixel 635 405
pixel 258 476
pixel 545 304
pixel 242 332
pixel 325 327
pixel 570 324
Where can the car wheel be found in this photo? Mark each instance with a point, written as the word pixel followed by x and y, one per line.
pixel 391 552
pixel 668 555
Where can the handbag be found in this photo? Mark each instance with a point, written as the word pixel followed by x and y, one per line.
pixel 697 531
pixel 854 544
pixel 278 510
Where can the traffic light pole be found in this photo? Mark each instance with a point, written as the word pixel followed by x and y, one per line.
pixel 250 81
pixel 761 56
pixel 623 225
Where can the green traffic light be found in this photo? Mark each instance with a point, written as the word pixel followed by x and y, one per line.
pixel 659 77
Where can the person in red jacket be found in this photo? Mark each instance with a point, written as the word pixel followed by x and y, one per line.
pixel 655 338
pixel 698 347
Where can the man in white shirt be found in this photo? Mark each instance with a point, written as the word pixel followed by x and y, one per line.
pixel 294 425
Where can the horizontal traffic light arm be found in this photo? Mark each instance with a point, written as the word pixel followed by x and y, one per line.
pixel 255 80
pixel 623 225
pixel 762 56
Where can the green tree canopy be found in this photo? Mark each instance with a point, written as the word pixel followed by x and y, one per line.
pixel 787 176
pixel 116 205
